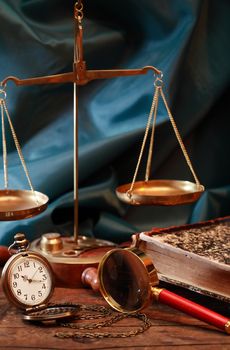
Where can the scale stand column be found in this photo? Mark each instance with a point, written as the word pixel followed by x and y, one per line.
pixel 76 216
pixel 78 15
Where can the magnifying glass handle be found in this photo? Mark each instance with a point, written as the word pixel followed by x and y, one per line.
pixel 89 277
pixel 189 307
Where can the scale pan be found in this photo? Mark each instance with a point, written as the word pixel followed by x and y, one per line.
pixel 21 204
pixel 160 192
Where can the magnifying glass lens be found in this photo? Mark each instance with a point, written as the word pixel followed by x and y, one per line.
pixel 124 281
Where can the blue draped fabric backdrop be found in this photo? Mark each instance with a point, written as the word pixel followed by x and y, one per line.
pixel 187 40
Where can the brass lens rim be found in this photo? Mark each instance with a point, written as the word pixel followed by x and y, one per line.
pixel 148 268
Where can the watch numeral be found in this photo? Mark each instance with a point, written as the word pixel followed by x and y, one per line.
pixel 25 296
pixel 15 284
pixel 16 276
pixel 19 268
pixel 40 269
pixel 32 297
pixel 44 277
pixel 19 292
pixel 34 264
pixel 26 264
pixel 43 286
pixel 39 293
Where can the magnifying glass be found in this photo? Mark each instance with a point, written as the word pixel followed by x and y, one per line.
pixel 127 280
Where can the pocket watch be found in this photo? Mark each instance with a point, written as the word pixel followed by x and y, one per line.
pixel 28 283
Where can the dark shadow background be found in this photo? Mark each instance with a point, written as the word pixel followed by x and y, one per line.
pixel 187 40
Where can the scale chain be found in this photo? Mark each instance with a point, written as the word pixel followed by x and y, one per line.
pixel 78 10
pixel 155 99
pixel 4 147
pixel 179 139
pixel 150 154
pixel 17 145
pixel 158 92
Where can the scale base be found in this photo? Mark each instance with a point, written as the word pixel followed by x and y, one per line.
pixel 69 258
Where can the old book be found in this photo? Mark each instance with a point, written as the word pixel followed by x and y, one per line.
pixel 195 256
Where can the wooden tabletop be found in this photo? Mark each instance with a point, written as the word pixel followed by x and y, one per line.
pixel 170 329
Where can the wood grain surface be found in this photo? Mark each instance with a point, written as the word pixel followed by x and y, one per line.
pixel 170 329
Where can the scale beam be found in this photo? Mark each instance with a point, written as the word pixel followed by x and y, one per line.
pixel 80 79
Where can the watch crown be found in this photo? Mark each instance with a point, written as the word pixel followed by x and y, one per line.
pixel 19 237
pixel 20 243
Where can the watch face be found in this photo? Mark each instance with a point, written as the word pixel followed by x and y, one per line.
pixel 29 280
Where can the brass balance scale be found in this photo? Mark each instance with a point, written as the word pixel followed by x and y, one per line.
pixel 74 254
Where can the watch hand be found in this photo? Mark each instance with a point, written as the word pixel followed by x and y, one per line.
pixel 25 278
pixel 36 281
pixel 31 279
